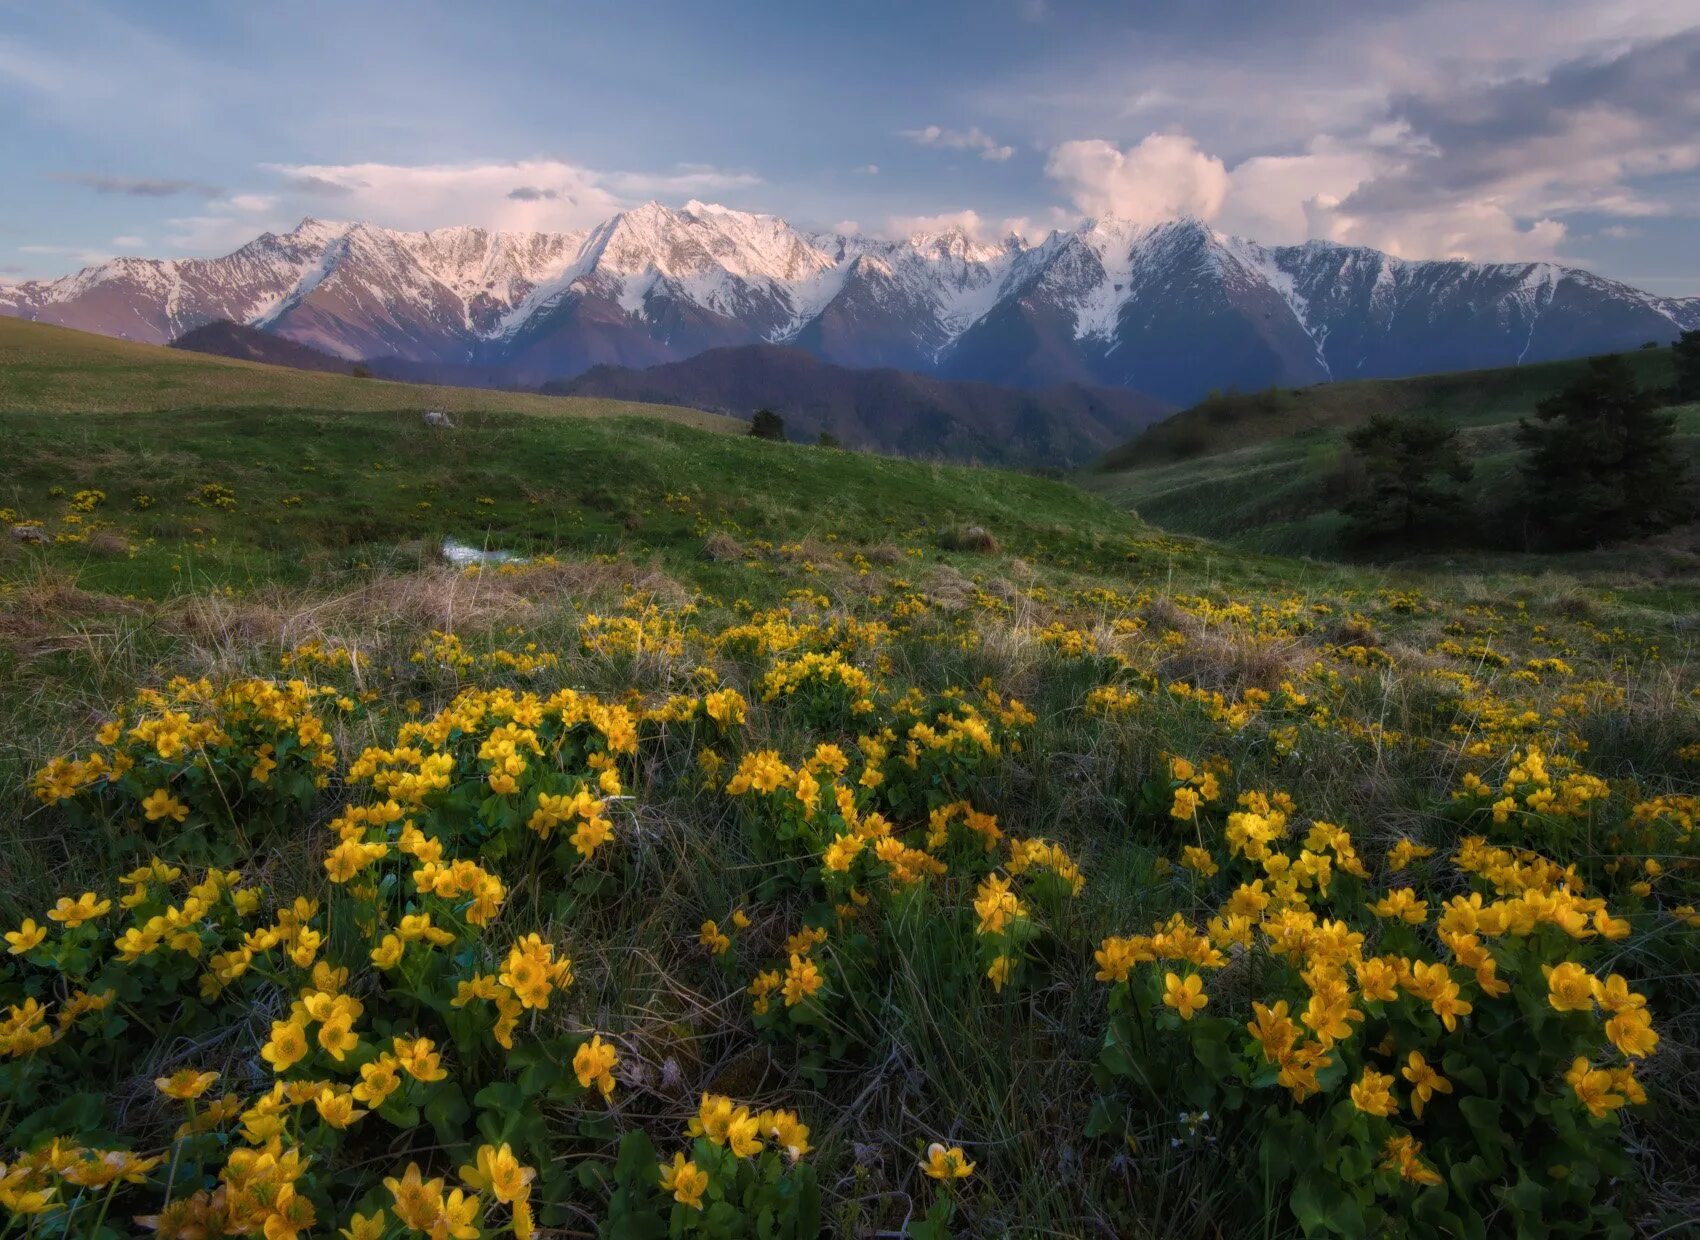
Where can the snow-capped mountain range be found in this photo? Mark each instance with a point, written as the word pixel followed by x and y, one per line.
pixel 1171 310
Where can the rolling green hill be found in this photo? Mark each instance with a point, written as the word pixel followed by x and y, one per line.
pixel 44 368
pixel 1035 727
pixel 1263 470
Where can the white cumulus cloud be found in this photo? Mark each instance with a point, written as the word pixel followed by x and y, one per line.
pixel 1159 178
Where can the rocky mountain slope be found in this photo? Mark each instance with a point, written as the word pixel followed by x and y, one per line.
pixel 1171 310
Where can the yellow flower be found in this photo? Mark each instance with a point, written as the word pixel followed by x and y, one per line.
pixel 499 1173
pixel 418 1201
pixel 74 913
pixel 336 1109
pixel 1425 1081
pixel 788 1132
pixel 378 1080
pixel 1186 997
pixel 388 953
pixel 287 1047
pixel 1117 957
pixel 590 835
pixel 711 937
pixel 802 980
pixel 1631 1031
pixel 1373 1093
pixel 25 938
pixel 1570 987
pixel 160 804
pixel 594 1063
pixel 1401 1154
pixel 713 1117
pixel 185 1083
pixel 999 971
pixel 337 1035
pixel 366 1227
pixel 743 1133
pixel 1186 804
pixel 1594 1088
pixel 685 1181
pixel 418 1057
pixel 946 1164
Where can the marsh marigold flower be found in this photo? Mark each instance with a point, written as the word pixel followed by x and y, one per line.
pixel 685 1181
pixel 1186 997
pixel 25 938
pixel 185 1083
pixel 594 1064
pixel 802 980
pixel 1373 1093
pixel 946 1164
pixel 1425 1081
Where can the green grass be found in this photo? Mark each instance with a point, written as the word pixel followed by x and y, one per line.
pixel 336 516
pixel 318 493
pixel 44 368
pixel 1230 423
pixel 1279 495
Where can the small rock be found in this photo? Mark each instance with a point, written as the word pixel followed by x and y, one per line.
pixel 28 534
pixel 436 417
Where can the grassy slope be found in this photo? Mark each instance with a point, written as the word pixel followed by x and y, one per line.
pixel 1009 1077
pixel 1259 470
pixel 321 494
pixel 43 367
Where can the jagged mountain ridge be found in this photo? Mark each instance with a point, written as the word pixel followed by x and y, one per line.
pixel 1171 310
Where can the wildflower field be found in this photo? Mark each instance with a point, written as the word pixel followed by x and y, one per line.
pixel 801 843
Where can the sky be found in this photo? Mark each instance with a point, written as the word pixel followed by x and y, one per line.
pixel 1482 129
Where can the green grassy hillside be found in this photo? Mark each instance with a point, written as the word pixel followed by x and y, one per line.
pixel 900 804
pixel 44 368
pixel 1264 471
pixel 1229 423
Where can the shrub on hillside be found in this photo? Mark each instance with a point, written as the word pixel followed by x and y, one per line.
pixel 1410 490
pixel 1601 460
pixel 1686 354
pixel 766 424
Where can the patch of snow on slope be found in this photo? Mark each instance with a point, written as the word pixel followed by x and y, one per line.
pixel 1113 242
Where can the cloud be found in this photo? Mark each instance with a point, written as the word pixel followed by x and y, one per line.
pixel 970 223
pixel 139 187
pixel 77 254
pixel 974 139
pixel 322 186
pixel 871 170
pixel 1162 176
pixel 553 195
pixel 1284 199
pixel 1575 138
pixel 1034 10
pixel 683 180
pixel 129 242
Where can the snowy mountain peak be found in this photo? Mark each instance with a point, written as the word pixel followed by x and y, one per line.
pixel 1169 307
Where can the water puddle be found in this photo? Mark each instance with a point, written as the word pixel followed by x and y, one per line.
pixel 464 555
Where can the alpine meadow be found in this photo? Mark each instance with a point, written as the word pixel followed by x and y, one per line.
pixel 1056 719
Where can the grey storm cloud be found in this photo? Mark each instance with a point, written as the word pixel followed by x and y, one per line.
pixel 531 193
pixel 1635 112
pixel 139 187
